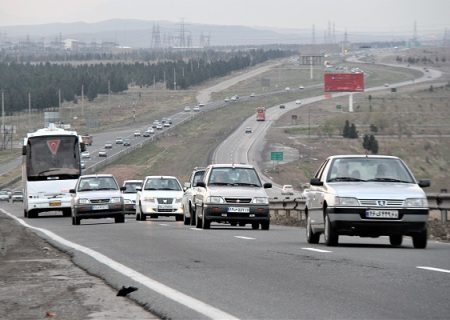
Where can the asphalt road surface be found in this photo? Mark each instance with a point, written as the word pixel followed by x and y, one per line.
pixel 231 272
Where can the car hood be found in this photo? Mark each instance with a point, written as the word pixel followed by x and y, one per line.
pixel 376 190
pixel 237 191
pixel 129 196
pixel 162 193
pixel 99 194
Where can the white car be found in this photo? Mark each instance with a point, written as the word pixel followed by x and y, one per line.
pixel 108 145
pixel 159 126
pixel 102 153
pixel 85 155
pixel 196 109
pixel 248 130
pixel 129 192
pixel 166 124
pixel 119 140
pixel 137 133
pixel 366 196
pixel 287 89
pixel 301 87
pixel 187 109
pixel 298 102
pixel 252 95
pixel 287 189
pixel 159 196
pixel 226 99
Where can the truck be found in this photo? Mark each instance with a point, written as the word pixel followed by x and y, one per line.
pixel 260 114
pixel 87 139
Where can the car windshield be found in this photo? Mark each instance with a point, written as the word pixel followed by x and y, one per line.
pixel 162 184
pixel 130 187
pixel 369 169
pixel 234 177
pixel 97 183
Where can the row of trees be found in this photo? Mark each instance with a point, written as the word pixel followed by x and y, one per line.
pixel 43 81
pixel 370 143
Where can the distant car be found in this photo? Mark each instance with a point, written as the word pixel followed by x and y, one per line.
pixel 146 133
pixel 287 189
pixel 108 145
pixel 102 153
pixel 248 130
pixel 166 125
pixel 17 196
pixel 187 109
pixel 155 123
pixel 129 195
pixel 126 143
pixel 196 109
pixel 159 196
pixel 169 120
pixel 252 95
pixel 4 196
pixel 366 196
pixel 201 105
pixel 119 140
pixel 151 130
pixel 301 87
pixel 226 99
pixel 137 133
pixel 287 89
pixel 97 196
pixel 386 84
pixel 82 164
pixel 282 106
pixel 159 126
pixel 298 101
pixel 85 155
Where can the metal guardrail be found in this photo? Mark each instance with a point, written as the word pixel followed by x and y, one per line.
pixel 295 208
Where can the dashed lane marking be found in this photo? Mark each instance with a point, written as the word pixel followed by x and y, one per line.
pixel 433 269
pixel 245 238
pixel 317 250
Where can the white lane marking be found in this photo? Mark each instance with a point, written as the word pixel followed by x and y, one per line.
pixel 433 269
pixel 317 250
pixel 175 295
pixel 196 229
pixel 163 224
pixel 245 238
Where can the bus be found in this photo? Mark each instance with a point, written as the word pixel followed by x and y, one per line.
pixel 50 168
pixel 260 114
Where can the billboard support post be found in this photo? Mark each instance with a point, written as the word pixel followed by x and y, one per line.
pixel 350 102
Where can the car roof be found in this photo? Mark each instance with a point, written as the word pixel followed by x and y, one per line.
pixel 160 177
pixel 231 165
pixel 370 156
pixel 132 181
pixel 97 175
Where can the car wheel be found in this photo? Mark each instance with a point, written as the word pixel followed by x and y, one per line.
pixel 242 224
pixel 153 216
pixel 179 218
pixel 119 219
pixel 205 223
pixel 25 213
pixel 311 237
pixel 330 235
pixel 255 226
pixel 420 240
pixel 265 225
pixel 32 214
pixel 233 224
pixel 396 240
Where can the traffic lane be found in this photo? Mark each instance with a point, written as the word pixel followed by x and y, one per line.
pixel 273 266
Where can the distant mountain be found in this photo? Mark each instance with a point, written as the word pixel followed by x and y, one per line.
pixel 139 33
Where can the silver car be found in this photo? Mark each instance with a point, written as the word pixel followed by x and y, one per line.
pixel 366 196
pixel 97 196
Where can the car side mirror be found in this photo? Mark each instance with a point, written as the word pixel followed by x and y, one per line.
pixel 267 185
pixel 187 185
pixel 123 189
pixel 424 183
pixel 72 191
pixel 316 182
pixel 200 184
pixel 138 188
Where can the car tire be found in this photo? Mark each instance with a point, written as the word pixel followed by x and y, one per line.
pixel 330 235
pixel 25 213
pixel 255 226
pixel 32 214
pixel 205 223
pixel 153 216
pixel 265 225
pixel 420 240
pixel 396 240
pixel 242 224
pixel 233 224
pixel 119 219
pixel 179 218
pixel 311 237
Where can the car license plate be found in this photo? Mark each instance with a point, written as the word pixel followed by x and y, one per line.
pixel 165 206
pixel 54 203
pixel 383 214
pixel 239 209
pixel 100 207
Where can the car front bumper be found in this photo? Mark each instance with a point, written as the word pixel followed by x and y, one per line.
pixel 222 212
pixel 88 211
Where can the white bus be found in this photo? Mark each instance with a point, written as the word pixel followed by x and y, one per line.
pixel 50 168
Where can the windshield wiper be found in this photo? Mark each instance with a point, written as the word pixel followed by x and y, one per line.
pixel 389 180
pixel 150 189
pixel 219 184
pixel 45 171
pixel 344 179
pixel 245 184
pixel 107 188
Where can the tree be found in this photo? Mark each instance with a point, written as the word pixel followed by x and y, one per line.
pixel 346 131
pixel 370 143
pixel 353 133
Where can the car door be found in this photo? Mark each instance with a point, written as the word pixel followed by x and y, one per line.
pixel 316 196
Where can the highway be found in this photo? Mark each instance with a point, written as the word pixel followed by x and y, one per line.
pixel 227 272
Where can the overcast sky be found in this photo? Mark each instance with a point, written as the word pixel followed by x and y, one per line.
pixel 354 15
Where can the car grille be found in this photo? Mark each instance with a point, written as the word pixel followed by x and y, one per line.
pixel 238 200
pixel 381 203
pixel 165 200
pixel 99 200
pixel 166 210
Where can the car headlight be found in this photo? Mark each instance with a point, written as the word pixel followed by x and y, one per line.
pixel 115 200
pixel 215 200
pixel 416 202
pixel 83 201
pixel 127 201
pixel 344 202
pixel 178 200
pixel 261 200
pixel 149 199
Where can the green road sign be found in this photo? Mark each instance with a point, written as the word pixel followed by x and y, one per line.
pixel 276 155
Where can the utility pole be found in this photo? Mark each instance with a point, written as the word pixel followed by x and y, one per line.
pixel 109 94
pixel 59 100
pixel 174 79
pixel 82 100
pixel 29 111
pixel 3 119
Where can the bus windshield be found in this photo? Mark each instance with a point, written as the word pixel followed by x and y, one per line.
pixel 53 156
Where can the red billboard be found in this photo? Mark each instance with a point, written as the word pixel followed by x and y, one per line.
pixel 343 82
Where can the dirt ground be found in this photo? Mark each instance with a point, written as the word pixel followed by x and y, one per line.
pixel 41 282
